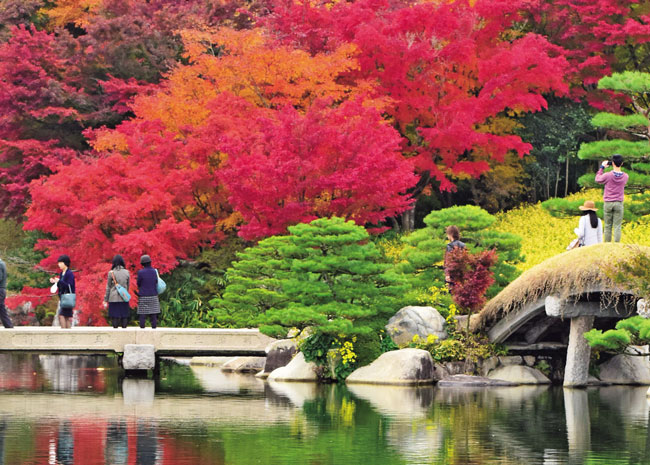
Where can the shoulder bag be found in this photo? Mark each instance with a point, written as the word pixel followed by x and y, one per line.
pixel 161 285
pixel 68 300
pixel 121 290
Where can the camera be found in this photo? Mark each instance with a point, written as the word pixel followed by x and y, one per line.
pixel 609 162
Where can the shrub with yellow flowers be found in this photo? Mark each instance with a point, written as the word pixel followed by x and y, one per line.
pixel 545 235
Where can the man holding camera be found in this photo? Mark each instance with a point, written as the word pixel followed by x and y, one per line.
pixel 614 182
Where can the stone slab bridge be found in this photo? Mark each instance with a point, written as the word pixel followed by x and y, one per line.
pixel 142 345
pixel 550 307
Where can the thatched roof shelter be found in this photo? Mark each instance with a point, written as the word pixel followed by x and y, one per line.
pixel 569 274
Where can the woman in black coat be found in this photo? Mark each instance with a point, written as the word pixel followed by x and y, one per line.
pixel 65 285
pixel 147 293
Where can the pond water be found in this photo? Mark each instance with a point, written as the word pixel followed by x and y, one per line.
pixel 81 410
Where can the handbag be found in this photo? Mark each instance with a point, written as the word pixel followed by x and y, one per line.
pixel 68 300
pixel 575 243
pixel 121 290
pixel 161 285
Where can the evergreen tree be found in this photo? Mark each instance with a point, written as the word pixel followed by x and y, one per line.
pixel 254 284
pixel 425 249
pixel 325 274
pixel 627 134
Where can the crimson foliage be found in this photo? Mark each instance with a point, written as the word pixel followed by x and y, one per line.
pixel 471 275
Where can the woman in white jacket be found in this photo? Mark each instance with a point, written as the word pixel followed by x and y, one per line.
pixel 590 228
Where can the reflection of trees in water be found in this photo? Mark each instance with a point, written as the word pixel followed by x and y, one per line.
pixel 147 450
pixel 18 372
pixel 65 444
pixel 72 373
pixel 619 419
pixel 117 442
pixel 3 428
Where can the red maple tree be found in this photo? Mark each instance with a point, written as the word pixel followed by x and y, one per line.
pixel 449 68
pixel 471 276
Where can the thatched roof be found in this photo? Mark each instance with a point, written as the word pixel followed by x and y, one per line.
pixel 574 272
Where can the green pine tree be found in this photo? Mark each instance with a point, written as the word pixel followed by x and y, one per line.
pixel 254 285
pixel 627 134
pixel 422 258
pixel 326 274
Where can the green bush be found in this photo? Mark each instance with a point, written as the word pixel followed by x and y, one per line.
pixel 327 275
pixel 422 257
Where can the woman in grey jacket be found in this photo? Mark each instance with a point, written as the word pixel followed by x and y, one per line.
pixel 118 310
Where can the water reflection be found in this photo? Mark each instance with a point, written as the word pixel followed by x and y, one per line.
pixel 201 417
pixel 65 444
pixel 578 425
pixel 147 452
pixel 116 451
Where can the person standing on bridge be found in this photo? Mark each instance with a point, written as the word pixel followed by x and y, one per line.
pixel 65 284
pixel 613 195
pixel 118 308
pixel 147 293
pixel 4 314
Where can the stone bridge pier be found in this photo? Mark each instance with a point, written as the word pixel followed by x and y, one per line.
pixel 582 315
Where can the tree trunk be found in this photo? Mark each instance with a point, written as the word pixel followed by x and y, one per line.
pixel 557 180
pixel 395 224
pixel 566 177
pixel 408 220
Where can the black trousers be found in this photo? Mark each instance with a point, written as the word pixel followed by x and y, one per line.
pixel 4 314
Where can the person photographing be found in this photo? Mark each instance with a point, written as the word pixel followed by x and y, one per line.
pixel 613 196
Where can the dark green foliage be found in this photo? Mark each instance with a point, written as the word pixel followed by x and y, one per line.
pixel 387 344
pixel 424 253
pixel 316 346
pixel 627 134
pixel 182 305
pixel 555 135
pixel 367 348
pixel 17 250
pixel 191 285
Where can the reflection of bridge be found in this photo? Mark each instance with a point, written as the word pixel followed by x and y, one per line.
pixel 166 341
pixel 552 305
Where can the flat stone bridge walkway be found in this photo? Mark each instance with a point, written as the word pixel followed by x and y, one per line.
pixel 105 339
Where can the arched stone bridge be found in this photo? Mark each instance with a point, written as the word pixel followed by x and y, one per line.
pixel 552 305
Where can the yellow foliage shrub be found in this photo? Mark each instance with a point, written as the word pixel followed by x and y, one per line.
pixel 544 236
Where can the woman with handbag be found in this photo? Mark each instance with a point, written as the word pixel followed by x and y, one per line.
pixel 66 290
pixel 147 293
pixel 117 293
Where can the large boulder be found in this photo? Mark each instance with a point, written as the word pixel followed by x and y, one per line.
pixel 410 321
pixel 398 367
pixel 519 375
pixel 278 354
pixel 297 370
pixel 244 365
pixel 627 369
